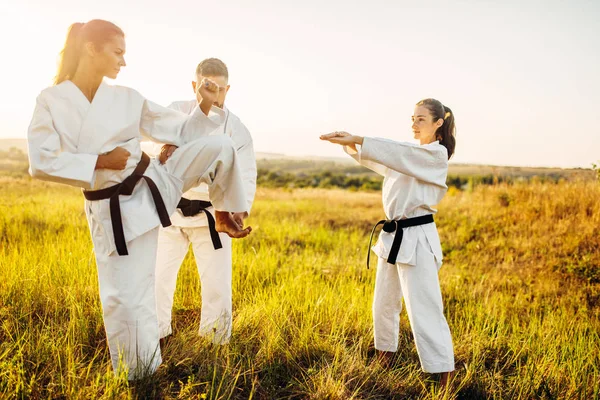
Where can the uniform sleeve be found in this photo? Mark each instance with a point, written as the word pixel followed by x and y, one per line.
pixel 152 148
pixel 164 125
pixel 373 166
pixel 175 106
pixel 47 158
pixel 247 160
pixel 427 163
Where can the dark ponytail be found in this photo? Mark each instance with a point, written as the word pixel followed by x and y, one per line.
pixel 446 133
pixel 96 31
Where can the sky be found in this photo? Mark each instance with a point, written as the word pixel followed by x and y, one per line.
pixel 522 77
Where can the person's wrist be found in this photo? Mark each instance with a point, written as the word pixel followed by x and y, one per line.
pixel 100 161
pixel 205 106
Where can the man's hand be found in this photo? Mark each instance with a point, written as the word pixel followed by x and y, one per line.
pixel 343 138
pixel 165 152
pixel 239 218
pixel 116 159
pixel 209 92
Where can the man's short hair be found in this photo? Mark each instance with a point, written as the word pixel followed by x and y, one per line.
pixel 212 67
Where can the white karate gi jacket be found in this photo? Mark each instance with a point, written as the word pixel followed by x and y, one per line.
pixel 414 182
pixel 67 133
pixel 237 131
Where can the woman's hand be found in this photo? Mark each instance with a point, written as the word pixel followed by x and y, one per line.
pixel 116 159
pixel 343 138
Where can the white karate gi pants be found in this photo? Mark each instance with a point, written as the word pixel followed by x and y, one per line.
pixel 127 283
pixel 214 268
pixel 419 286
pixel 129 306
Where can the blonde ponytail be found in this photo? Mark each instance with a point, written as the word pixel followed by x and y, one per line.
pixel 70 54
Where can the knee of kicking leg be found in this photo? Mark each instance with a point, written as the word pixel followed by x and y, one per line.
pixel 219 144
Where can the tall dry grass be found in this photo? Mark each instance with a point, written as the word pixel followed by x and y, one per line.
pixel 521 285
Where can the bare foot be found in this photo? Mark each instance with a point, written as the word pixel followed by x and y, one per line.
pixel 163 343
pixel 226 224
pixel 385 358
pixel 445 379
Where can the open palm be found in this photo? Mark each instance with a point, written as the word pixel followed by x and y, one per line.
pixel 341 137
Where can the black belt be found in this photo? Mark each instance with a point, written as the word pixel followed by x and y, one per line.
pixel 125 188
pixel 397 225
pixel 189 208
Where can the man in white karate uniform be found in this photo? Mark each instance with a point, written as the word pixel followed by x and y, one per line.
pixel 192 224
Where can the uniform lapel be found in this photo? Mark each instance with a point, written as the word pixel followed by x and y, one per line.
pixel 76 107
pixel 217 118
pixel 93 133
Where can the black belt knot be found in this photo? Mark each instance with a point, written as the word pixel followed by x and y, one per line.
pixel 397 225
pixel 189 208
pixel 126 188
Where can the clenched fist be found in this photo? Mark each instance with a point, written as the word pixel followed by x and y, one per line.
pixel 115 159
pixel 208 91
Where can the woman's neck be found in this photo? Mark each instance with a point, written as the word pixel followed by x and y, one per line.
pixel 428 140
pixel 86 80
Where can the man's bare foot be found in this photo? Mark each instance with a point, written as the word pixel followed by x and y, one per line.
pixel 385 358
pixel 226 224
pixel 445 379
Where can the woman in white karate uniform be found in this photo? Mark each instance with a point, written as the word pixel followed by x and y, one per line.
pixel 409 251
pixel 86 133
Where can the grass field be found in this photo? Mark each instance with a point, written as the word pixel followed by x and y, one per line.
pixel 521 286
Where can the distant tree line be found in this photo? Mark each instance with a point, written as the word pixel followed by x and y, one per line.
pixel 317 174
pixel 344 180
pixel 13 154
pixel 14 162
pixel 317 179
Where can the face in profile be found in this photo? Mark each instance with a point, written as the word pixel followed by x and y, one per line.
pixel 223 88
pixel 110 58
pixel 424 126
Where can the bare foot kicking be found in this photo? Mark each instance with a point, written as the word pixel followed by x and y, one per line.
pixel 226 224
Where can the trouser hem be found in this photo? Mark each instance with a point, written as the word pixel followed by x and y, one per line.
pixel 390 348
pixel 438 368
pixel 165 332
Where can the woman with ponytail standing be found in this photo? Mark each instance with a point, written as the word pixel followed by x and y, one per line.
pixel 86 133
pixel 409 251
